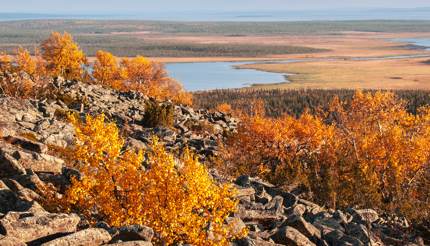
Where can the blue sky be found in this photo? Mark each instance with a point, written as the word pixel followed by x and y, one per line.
pixel 135 6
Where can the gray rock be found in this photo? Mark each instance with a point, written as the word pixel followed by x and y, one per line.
pixel 260 216
pixel 304 227
pixel 341 217
pixel 263 197
pixel 358 231
pixel 312 208
pixel 243 180
pixel 9 166
pixel 276 205
pixel 244 192
pixel 365 216
pixel 236 224
pixel 28 227
pixel 298 209
pixel 10 201
pixel 254 242
pixel 132 243
pixel 11 241
pixel 289 236
pixel 134 233
pixel 27 144
pixel 88 237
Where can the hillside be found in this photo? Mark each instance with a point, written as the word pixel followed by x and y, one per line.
pixel 30 129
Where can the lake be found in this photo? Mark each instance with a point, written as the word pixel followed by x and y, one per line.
pixel 219 75
pixel 424 42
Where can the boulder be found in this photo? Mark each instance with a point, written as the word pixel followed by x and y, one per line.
pixel 10 201
pixel 261 216
pixel 298 209
pixel 289 199
pixel 29 227
pixel 276 205
pixel 11 241
pixel 304 227
pixel 358 231
pixel 88 237
pixel 333 237
pixel 341 217
pixel 263 197
pixel 327 222
pixel 365 216
pixel 132 243
pixel 236 224
pixel 243 192
pixel 134 233
pixel 312 208
pixel 9 166
pixel 27 144
pixel 289 236
pixel 247 241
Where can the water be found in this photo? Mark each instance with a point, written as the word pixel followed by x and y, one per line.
pixel 219 75
pixel 197 76
pixel 423 42
pixel 286 15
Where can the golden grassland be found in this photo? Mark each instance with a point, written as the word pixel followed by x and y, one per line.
pixel 344 72
pixel 344 44
pixel 374 74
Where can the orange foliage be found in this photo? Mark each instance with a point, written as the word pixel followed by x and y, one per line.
pixel 63 56
pixel 177 198
pixel 24 75
pixel 25 62
pixel 137 71
pixel 223 107
pixel 5 62
pixel 106 70
pixel 138 74
pixel 370 153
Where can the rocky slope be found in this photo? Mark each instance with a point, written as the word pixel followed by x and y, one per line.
pixel 27 165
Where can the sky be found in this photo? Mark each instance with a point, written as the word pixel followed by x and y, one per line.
pixel 136 6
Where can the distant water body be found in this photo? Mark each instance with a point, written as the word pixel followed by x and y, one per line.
pixel 308 15
pixel 421 42
pixel 219 75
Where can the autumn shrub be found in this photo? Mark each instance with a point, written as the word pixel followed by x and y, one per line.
pixel 369 152
pixel 23 75
pixel 158 114
pixel 139 74
pixel 106 70
pixel 5 62
pixel 63 56
pixel 176 197
pixel 223 107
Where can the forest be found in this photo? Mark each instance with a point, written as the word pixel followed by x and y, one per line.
pixel 279 102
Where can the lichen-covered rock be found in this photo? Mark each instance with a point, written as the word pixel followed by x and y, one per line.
pixel 11 241
pixel 134 233
pixel 9 166
pixel 289 236
pixel 88 237
pixel 28 227
pixel 364 216
pixel 132 243
pixel 304 227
